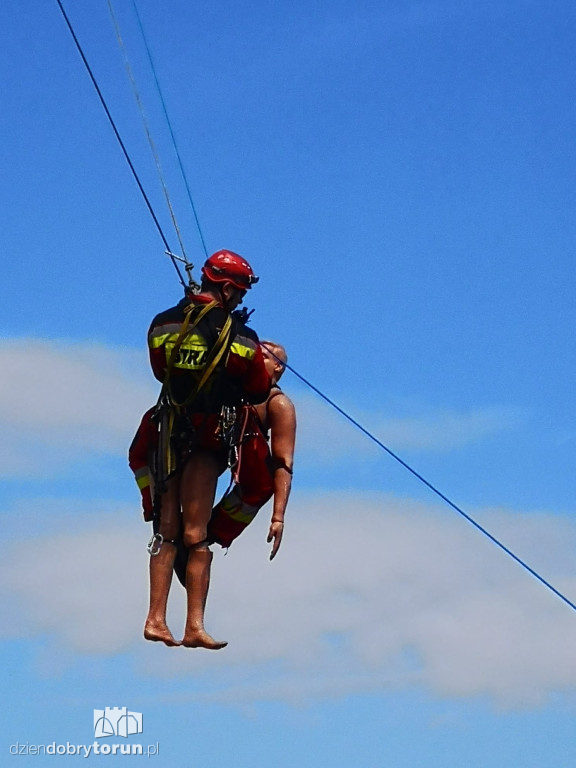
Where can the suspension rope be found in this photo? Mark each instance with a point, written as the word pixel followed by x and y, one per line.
pixel 169 123
pixel 146 125
pixel 429 485
pixel 120 142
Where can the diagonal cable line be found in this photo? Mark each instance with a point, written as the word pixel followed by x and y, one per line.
pixel 428 484
pixel 120 142
pixel 169 123
pixel 146 125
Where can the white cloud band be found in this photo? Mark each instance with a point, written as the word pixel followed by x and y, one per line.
pixel 61 400
pixel 367 592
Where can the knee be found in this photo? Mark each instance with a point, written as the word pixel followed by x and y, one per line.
pixel 194 535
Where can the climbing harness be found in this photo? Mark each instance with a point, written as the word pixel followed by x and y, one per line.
pixel 169 411
pixel 230 432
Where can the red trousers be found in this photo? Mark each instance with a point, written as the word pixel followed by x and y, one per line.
pixel 253 477
pixel 253 487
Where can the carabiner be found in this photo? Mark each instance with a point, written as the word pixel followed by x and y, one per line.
pixel 155 544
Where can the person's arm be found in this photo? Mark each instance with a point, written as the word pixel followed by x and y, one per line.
pixel 139 459
pixel 282 420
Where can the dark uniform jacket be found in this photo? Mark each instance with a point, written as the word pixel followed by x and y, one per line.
pixel 241 375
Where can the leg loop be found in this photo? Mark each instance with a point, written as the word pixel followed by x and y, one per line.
pixel 204 544
pixel 155 544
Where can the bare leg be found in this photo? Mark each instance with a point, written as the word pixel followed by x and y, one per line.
pixel 161 566
pixel 197 491
pixel 197 583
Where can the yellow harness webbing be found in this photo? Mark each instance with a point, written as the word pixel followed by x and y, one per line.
pixel 215 356
pixel 184 330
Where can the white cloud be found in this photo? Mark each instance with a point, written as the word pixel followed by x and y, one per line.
pixel 367 592
pixel 84 588
pixel 60 400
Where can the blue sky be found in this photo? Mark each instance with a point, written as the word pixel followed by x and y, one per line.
pixel 402 177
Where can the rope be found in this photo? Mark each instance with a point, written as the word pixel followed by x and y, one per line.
pixel 169 123
pixel 120 142
pixel 146 125
pixel 429 485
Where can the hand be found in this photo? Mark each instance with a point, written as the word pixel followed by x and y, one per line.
pixel 275 533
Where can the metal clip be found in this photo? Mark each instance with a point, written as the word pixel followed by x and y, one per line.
pixel 233 456
pixel 228 417
pixel 155 544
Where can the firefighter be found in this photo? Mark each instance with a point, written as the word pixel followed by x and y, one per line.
pixel 208 362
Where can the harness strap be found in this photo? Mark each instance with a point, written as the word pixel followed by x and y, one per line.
pixel 184 330
pixel 281 464
pixel 156 542
pixel 248 410
pixel 219 349
pixel 199 545
pixel 215 356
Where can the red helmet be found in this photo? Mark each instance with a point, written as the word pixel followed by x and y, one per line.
pixel 229 267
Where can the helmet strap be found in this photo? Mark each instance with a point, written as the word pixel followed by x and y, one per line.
pixel 223 299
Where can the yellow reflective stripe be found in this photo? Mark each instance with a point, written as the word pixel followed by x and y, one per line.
pixel 190 355
pixel 244 516
pixel 155 341
pixel 143 481
pixel 184 332
pixel 161 333
pixel 238 511
pixel 169 340
pixel 242 350
pixel 193 346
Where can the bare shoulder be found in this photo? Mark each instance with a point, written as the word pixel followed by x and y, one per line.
pixel 281 407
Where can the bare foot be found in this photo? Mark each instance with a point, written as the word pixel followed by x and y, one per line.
pixel 199 638
pixel 159 633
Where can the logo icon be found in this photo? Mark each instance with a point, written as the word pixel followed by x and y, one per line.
pixel 116 721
